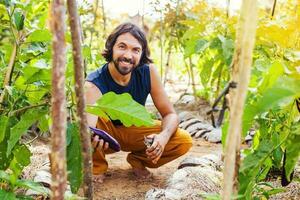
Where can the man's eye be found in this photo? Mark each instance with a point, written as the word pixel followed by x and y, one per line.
pixel 121 47
pixel 137 51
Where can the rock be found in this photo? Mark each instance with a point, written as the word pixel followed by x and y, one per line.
pixel 195 176
pixel 215 135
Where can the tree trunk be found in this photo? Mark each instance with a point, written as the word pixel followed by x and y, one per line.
pixel 58 110
pixel 241 70
pixel 79 89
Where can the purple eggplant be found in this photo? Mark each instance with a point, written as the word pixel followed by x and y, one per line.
pixel 112 142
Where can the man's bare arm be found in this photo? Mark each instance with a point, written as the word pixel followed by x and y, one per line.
pixel 92 94
pixel 169 116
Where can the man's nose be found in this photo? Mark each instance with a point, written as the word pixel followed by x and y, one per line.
pixel 127 54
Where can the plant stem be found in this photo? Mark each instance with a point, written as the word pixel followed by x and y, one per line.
pixel 15 112
pixel 9 72
pixel 79 89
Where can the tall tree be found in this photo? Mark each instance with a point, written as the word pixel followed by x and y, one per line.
pixel 245 39
pixel 79 89
pixel 58 110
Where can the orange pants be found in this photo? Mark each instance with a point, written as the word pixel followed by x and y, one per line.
pixel 131 140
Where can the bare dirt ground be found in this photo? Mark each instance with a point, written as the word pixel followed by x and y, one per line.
pixel 121 184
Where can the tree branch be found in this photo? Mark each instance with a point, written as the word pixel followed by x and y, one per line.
pixel 9 72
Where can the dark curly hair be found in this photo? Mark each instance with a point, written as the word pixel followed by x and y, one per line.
pixel 136 32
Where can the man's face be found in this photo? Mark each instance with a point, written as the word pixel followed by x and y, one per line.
pixel 127 53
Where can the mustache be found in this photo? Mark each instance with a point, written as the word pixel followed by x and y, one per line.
pixel 123 59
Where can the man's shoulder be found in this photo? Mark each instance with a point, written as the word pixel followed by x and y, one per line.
pixel 96 73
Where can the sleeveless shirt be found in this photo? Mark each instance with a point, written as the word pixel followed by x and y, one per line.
pixel 138 87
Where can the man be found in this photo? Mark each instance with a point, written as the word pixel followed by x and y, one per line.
pixel 129 69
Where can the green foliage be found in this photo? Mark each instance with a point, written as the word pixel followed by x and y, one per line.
pixel 14 183
pixel 21 127
pixel 121 107
pixel 74 158
pixel 292 149
pixel 19 20
pixel 7 195
pixel 3 125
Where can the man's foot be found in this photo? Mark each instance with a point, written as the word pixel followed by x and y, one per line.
pixel 142 173
pixel 98 178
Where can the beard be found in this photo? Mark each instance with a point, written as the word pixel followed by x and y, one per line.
pixel 124 70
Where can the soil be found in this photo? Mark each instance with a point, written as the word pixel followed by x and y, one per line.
pixel 121 184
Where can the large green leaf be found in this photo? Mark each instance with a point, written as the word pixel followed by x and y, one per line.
pixel 74 157
pixel 21 127
pixel 121 107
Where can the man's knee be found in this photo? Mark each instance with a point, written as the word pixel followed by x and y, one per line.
pixel 184 148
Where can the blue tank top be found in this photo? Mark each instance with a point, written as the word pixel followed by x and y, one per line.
pixel 138 87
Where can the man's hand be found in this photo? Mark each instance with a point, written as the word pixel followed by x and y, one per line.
pixel 99 143
pixel 155 151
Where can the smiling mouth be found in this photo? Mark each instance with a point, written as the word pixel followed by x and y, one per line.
pixel 125 64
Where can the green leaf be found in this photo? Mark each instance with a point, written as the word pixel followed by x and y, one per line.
pixel 21 127
pixel 251 167
pixel 292 150
pixel 22 157
pixel 121 107
pixel 3 125
pixel 42 35
pixel 189 48
pixel 7 195
pixel 277 153
pixel 19 20
pixel 43 123
pixel 33 186
pixel 259 155
pixel 5 176
pixel 283 91
pixel 201 45
pixel 5 160
pixel 275 71
pixel 206 71
pixel 74 158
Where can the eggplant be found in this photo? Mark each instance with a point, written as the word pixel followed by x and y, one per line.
pixel 112 142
